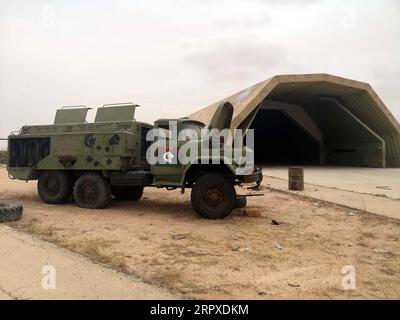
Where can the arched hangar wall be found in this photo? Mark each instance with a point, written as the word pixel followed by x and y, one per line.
pixel 357 127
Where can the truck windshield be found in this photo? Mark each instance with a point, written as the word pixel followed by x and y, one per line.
pixel 163 131
pixel 191 130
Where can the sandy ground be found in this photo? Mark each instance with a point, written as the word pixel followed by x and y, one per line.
pixel 75 277
pixel 161 240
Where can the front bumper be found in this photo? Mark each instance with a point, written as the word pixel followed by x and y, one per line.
pixel 255 177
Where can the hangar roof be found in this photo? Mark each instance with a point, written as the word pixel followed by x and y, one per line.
pixel 305 89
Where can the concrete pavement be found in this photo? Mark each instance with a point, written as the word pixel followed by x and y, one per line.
pixel 22 258
pixel 350 187
pixel 382 182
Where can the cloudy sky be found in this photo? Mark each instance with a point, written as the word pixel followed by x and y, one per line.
pixel 173 57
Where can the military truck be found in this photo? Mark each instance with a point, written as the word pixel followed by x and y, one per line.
pixel 92 163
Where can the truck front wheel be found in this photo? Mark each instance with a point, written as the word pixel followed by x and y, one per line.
pixel 54 187
pixel 213 197
pixel 92 191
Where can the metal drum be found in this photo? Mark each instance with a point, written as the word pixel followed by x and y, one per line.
pixel 296 179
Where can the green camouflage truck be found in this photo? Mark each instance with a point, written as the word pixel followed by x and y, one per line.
pixel 93 163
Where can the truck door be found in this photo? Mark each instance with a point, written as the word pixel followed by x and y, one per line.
pixel 167 169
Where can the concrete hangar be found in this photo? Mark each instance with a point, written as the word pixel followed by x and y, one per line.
pixel 315 119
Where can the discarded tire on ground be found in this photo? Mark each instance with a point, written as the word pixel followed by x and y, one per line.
pixel 10 212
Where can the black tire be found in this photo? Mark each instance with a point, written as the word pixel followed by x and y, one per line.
pixel 213 197
pixel 127 193
pixel 92 191
pixel 10 212
pixel 54 187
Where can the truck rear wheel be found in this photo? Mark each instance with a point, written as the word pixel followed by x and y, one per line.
pixel 213 197
pixel 54 187
pixel 92 191
pixel 133 193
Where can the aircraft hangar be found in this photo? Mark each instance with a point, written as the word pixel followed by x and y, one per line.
pixel 316 119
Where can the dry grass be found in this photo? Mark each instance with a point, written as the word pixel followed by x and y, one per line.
pixel 98 249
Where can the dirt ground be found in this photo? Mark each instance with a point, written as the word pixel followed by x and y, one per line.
pixel 161 240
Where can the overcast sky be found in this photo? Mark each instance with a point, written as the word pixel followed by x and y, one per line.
pixel 174 57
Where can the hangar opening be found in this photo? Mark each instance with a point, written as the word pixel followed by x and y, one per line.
pixel 278 139
pixel 315 119
pixel 323 132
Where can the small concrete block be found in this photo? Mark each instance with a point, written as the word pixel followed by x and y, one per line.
pixel 252 212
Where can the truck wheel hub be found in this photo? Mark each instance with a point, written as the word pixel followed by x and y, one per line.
pixel 52 186
pixel 89 192
pixel 214 198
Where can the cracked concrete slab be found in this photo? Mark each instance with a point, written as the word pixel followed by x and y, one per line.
pixel 22 258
